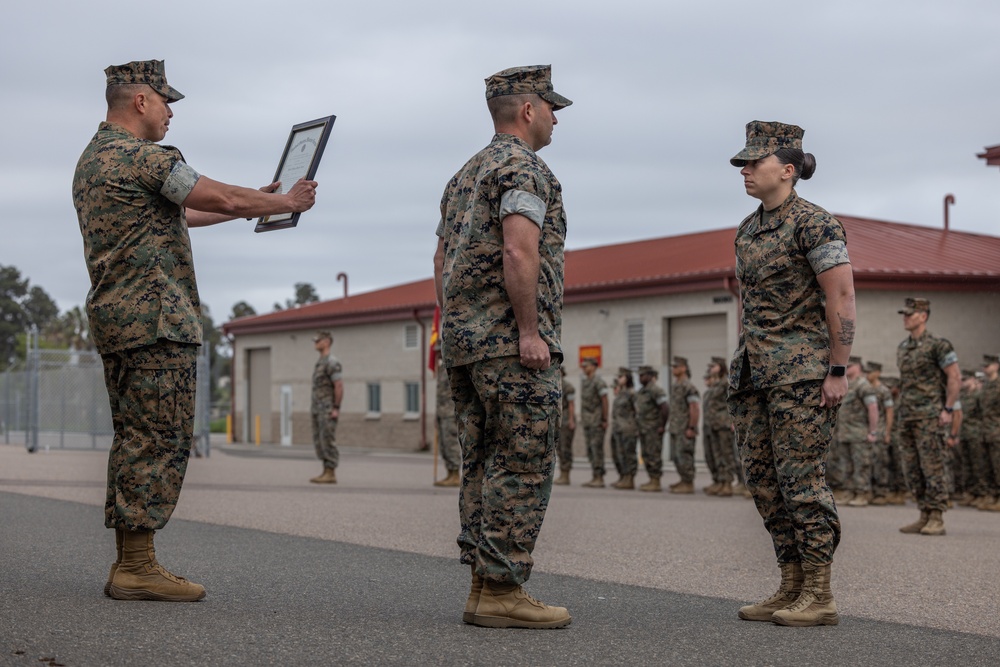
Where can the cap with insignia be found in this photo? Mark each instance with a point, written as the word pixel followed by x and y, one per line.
pixel 149 72
pixel 991 359
pixel 648 370
pixel 534 79
pixel 766 138
pixel 915 304
pixel 851 361
pixel 679 361
pixel 871 367
pixel 624 371
pixel 589 360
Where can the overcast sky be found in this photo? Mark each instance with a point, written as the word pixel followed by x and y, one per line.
pixel 896 97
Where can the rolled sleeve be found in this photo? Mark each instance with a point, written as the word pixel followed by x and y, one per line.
pixel 522 203
pixel 179 183
pixel 827 256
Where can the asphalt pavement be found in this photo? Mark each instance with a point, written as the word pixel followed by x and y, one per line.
pixel 366 572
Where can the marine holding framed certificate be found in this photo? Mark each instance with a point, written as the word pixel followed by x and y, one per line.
pixel 300 160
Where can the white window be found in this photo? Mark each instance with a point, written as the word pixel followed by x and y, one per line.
pixel 635 342
pixel 411 337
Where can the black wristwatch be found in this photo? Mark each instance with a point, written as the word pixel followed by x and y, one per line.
pixel 949 410
pixel 838 371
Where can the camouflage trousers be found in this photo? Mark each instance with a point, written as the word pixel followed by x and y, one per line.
pixel 594 437
pixel 565 447
pixel 921 449
pixel 991 471
pixel 720 443
pixel 862 462
pixel 151 390
pixel 651 441
pixel 978 471
pixel 623 452
pixel 682 455
pixel 508 420
pixel 783 436
pixel 956 461
pixel 887 471
pixel 839 465
pixel 448 443
pixel 324 431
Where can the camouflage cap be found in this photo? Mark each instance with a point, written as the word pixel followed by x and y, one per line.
pixel 968 373
pixel 914 305
pixel 149 72
pixel 891 382
pixel 624 371
pixel 589 360
pixel 766 138
pixel 851 361
pixel 679 361
pixel 648 370
pixel 721 361
pixel 320 335
pixel 871 367
pixel 535 79
pixel 991 359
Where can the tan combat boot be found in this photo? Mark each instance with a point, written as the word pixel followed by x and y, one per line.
pixel 992 507
pixel 596 483
pixel 626 482
pixel 984 502
pixel 510 606
pixel 860 500
pixel 562 479
pixel 788 592
pixel 140 577
pixel 652 485
pixel 934 525
pixel 712 489
pixel 683 487
pixel 453 479
pixel 815 605
pixel 897 498
pixel 915 527
pixel 468 616
pixel 725 489
pixel 114 566
pixel 329 476
pixel 879 500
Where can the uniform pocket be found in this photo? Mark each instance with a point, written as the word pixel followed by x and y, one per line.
pixel 529 421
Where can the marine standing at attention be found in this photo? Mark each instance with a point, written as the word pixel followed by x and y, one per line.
pixel 788 374
pixel 498 271
pixel 135 200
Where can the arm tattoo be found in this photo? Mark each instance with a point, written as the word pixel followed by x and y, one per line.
pixel 846 335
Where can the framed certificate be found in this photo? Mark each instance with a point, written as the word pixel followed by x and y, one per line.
pixel 303 151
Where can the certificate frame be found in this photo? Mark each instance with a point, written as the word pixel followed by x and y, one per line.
pixel 300 159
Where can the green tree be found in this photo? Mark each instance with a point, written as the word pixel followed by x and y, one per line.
pixel 242 309
pixel 21 306
pixel 69 330
pixel 304 293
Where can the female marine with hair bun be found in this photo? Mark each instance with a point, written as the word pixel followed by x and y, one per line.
pixel 787 376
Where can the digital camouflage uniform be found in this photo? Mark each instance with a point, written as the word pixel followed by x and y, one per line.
pixel 508 415
pixel 682 395
pixel 591 417
pixel 648 400
pixel 624 432
pixel 447 426
pixel 990 401
pixel 144 314
pixel 886 460
pixel 852 432
pixel 777 374
pixel 921 439
pixel 326 373
pixel 975 461
pixel 565 432
pixel 718 432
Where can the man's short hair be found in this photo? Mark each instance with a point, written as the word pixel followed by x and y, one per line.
pixel 504 108
pixel 121 95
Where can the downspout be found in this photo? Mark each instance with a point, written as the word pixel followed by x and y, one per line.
pixel 232 387
pixel 423 377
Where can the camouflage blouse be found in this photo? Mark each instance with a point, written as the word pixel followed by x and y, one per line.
pixel 477 316
pixel 778 256
pixel 682 395
pixel 326 372
pixel 922 379
pixel 128 194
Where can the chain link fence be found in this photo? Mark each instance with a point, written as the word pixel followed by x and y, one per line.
pixel 59 401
